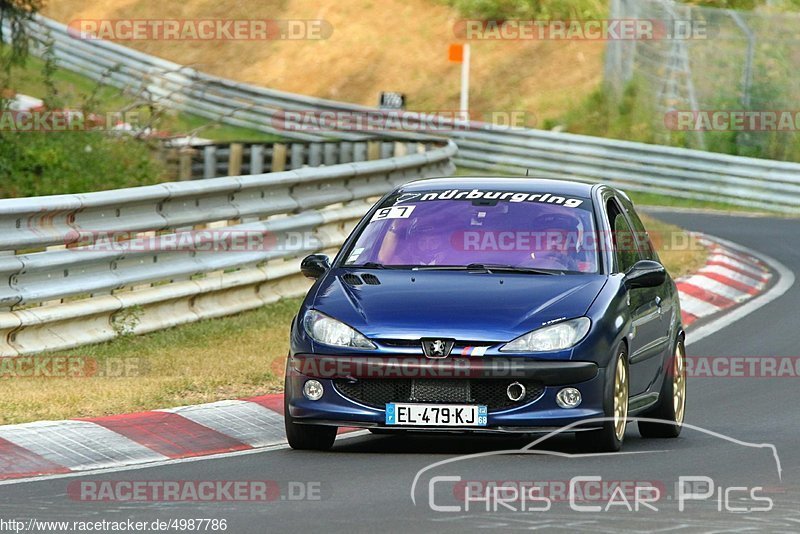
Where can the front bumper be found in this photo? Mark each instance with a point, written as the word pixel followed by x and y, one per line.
pixel 541 414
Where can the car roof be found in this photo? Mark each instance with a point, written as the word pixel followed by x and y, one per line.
pixel 522 184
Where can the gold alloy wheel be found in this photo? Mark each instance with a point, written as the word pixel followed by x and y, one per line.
pixel 620 397
pixel 679 384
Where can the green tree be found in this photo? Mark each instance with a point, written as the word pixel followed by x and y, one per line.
pixel 15 14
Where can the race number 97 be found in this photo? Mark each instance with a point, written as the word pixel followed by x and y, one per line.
pixel 395 212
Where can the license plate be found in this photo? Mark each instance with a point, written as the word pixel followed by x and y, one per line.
pixel 435 414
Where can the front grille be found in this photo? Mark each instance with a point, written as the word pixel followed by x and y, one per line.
pixel 490 392
pixel 417 343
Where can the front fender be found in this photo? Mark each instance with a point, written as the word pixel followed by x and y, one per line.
pixel 611 323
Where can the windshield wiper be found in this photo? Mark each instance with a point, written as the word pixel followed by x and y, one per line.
pixel 374 265
pixel 486 267
pixel 368 265
pixel 439 268
pixel 496 267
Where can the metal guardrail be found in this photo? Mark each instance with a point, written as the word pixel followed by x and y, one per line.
pixel 678 172
pixel 59 293
pixel 750 182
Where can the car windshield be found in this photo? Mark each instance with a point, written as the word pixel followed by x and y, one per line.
pixel 478 229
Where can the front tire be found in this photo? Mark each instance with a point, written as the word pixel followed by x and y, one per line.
pixel 306 437
pixel 615 405
pixel 671 407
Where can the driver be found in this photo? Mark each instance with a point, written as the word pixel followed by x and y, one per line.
pixel 427 243
pixel 557 244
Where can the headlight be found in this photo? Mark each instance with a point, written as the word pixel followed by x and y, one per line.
pixel 329 331
pixel 554 337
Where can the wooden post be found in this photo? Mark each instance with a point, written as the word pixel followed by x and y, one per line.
pixel 185 164
pixel 373 150
pixel 235 159
pixel 278 157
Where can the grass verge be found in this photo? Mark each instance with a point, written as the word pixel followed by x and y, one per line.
pixel 233 357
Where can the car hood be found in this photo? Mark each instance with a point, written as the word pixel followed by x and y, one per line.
pixel 474 306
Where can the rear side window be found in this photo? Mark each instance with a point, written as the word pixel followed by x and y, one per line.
pixel 625 245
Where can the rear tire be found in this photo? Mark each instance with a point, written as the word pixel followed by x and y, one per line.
pixel 306 437
pixel 615 406
pixel 671 406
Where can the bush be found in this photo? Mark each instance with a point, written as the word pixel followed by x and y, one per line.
pixel 33 164
pixel 531 9
pixel 577 9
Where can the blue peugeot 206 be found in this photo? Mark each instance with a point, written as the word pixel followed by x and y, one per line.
pixel 492 305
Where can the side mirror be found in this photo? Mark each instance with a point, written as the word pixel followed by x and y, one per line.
pixel 645 273
pixel 315 265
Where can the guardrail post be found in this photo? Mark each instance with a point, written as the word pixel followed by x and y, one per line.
pixel 235 160
pixel 278 157
pixel 330 157
pixel 298 156
pixel 256 159
pixel 314 155
pixel 360 152
pixel 387 149
pixel 209 161
pixel 346 152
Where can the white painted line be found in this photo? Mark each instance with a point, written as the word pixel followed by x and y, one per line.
pixel 245 421
pixel 733 275
pixel 78 445
pixel 785 281
pixel 697 307
pixel 709 284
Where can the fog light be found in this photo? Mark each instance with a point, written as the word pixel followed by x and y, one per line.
pixel 515 391
pixel 313 390
pixel 568 398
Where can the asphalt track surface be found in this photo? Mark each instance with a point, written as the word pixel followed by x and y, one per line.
pixel 365 484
